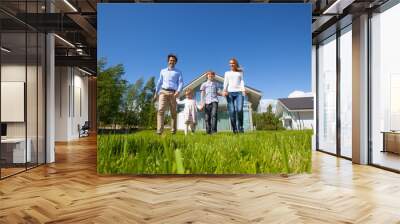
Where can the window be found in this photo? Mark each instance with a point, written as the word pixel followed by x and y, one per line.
pixel 22 76
pixel 385 87
pixel 327 95
pixel 346 92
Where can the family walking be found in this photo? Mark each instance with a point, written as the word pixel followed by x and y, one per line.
pixel 170 85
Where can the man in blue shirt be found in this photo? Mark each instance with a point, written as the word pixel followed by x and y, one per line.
pixel 169 85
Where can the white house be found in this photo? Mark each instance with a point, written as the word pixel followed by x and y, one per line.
pixel 251 102
pixel 296 113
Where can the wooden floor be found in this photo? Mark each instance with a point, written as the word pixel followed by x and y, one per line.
pixel 10 171
pixel 70 191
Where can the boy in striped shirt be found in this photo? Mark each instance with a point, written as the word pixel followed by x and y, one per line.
pixel 210 90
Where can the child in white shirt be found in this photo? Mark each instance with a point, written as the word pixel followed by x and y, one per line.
pixel 190 111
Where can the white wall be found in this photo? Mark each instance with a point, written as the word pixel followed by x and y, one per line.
pixel 13 72
pixel 62 113
pixel 33 126
pixel 16 73
pixel 303 120
pixel 80 88
pixel 71 102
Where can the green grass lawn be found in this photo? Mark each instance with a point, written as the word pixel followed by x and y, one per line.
pixel 255 152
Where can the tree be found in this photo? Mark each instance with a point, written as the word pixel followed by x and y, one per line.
pixel 147 112
pixel 130 106
pixel 267 120
pixel 111 87
pixel 122 103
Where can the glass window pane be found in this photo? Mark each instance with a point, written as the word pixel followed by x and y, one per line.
pixel 327 95
pixel 14 153
pixel 346 92
pixel 385 88
pixel 23 87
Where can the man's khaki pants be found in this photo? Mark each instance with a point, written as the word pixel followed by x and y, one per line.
pixel 166 100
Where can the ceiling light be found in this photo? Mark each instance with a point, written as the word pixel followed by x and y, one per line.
pixel 65 41
pixel 5 50
pixel 70 5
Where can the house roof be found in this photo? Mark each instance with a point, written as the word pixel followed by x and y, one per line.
pixel 254 95
pixel 298 103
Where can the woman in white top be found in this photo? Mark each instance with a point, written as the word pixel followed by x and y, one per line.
pixel 234 91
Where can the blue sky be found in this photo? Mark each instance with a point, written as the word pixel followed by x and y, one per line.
pixel 272 42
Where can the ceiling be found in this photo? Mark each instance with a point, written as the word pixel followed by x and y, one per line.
pixel 76 21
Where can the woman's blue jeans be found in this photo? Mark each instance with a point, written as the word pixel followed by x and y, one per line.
pixel 235 109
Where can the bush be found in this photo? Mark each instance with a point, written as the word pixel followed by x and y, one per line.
pixel 267 120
